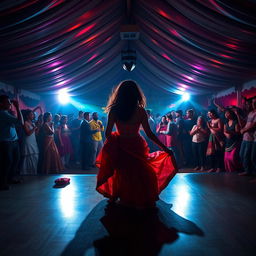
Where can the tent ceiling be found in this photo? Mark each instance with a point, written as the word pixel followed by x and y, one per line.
pixel 200 46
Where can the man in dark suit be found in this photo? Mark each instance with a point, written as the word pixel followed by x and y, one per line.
pixel 9 146
pixel 86 142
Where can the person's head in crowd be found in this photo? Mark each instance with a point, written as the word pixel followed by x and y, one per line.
pixel 5 102
pixel 200 121
pixel 173 113
pixel 163 120
pixel 248 105
pixel 179 113
pixel 80 114
pixel 40 118
pixel 212 114
pixel 230 115
pixel 87 116
pixel 95 116
pixel 169 117
pixel 28 115
pixel 47 117
pixel 56 118
pixel 190 114
pixel 125 99
pixel 63 120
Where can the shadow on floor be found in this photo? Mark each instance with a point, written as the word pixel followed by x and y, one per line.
pixel 116 230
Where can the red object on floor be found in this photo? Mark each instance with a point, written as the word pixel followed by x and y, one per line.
pixel 62 181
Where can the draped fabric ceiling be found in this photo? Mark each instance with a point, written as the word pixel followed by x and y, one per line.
pixel 199 46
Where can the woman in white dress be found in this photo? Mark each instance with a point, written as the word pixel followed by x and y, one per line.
pixel 30 150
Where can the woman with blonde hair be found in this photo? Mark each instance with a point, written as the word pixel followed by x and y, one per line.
pixel 127 171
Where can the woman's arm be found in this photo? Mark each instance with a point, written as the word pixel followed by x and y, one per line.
pixel 237 129
pixel 222 109
pixel 110 124
pixel 205 131
pixel 29 131
pixel 151 135
pixel 193 130
pixel 158 128
pixel 48 130
pixel 241 121
pixel 219 128
pixel 226 132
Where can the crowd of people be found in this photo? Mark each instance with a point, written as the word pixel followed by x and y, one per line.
pixel 224 140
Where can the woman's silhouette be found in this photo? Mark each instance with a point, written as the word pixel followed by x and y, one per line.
pixel 126 168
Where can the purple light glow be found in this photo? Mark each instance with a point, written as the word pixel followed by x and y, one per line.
pixel 189 77
pixel 56 69
pixel 198 67
pixel 183 85
pixel 62 82
pixel 54 64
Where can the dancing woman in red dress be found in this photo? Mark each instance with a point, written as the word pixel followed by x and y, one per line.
pixel 127 171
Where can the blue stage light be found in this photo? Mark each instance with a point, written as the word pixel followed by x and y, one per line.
pixel 63 96
pixel 185 96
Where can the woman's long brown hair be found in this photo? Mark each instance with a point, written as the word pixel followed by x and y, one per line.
pixel 124 100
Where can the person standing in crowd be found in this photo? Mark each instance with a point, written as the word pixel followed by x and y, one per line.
pixel 56 120
pixel 64 145
pixel 9 147
pixel 75 136
pixel 151 121
pixel 162 126
pixel 40 141
pixel 51 158
pixel 247 154
pixel 189 122
pixel 216 143
pixel 233 140
pixel 97 141
pixel 199 135
pixel 86 142
pixel 30 151
pixel 171 136
pixel 180 134
pixel 173 113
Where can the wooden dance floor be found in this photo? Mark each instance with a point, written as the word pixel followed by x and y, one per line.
pixel 198 214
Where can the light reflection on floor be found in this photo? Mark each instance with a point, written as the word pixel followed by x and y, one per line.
pixel 181 200
pixel 67 200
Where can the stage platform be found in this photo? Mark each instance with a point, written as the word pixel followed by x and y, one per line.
pixel 198 214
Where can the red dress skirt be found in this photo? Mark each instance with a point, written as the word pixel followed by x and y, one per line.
pixel 128 171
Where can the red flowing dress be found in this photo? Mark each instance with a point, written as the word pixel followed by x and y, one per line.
pixel 128 171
